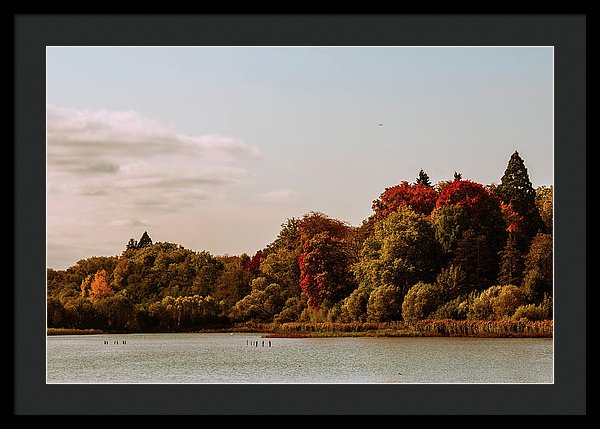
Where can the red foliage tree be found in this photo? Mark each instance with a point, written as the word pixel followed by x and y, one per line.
pixel 324 270
pixel 325 259
pixel 419 197
pixel 253 264
pixel 483 207
pixel 484 212
pixel 315 223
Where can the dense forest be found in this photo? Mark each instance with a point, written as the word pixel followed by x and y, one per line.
pixel 456 249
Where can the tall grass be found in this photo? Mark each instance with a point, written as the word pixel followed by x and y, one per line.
pixel 486 328
pixel 68 331
pixel 422 328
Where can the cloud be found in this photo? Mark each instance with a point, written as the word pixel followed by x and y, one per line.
pixel 130 222
pixel 95 132
pixel 109 172
pixel 103 149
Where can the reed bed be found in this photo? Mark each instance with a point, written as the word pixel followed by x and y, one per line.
pixel 69 331
pixel 422 328
pixel 486 328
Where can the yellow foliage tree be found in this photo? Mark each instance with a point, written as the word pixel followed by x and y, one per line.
pixel 85 285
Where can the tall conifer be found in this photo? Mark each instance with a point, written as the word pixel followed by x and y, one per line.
pixel 516 189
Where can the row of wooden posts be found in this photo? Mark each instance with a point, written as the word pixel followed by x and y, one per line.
pixel 255 343
pixel 248 343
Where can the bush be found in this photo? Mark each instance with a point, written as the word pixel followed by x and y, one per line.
pixel 420 301
pixel 481 307
pixel 260 304
pixel 496 302
pixel 385 304
pixel 354 306
pixel 450 310
pixel 530 312
pixel 507 301
pixel 291 311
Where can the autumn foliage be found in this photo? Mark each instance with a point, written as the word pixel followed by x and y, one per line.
pixel 455 257
pixel 419 197
pixel 325 259
pixel 100 287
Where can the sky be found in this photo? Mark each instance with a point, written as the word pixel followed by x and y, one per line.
pixel 214 148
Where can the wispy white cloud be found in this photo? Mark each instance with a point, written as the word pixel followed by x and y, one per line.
pixel 130 222
pixel 89 138
pixel 119 170
pixel 102 149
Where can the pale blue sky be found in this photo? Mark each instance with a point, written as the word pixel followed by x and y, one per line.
pixel 214 148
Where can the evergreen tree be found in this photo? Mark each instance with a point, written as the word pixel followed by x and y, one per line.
pixel 474 258
pixel 132 244
pixel 516 189
pixel 145 241
pixel 511 263
pixel 457 176
pixel 423 179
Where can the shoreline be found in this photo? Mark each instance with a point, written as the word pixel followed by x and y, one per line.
pixel 423 328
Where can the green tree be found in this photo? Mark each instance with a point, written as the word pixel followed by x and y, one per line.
pixel 450 222
pixel 452 282
pixel 132 244
pixel 281 266
pixel 262 304
pixel 234 282
pixel 544 199
pixel 402 251
pixel 385 304
pixel 144 241
pixel 420 301
pixel 508 300
pixel 476 260
pixel 511 262
pixel 516 189
pixel 291 311
pixel 354 306
pixel 423 179
pixel 538 277
pixel 496 302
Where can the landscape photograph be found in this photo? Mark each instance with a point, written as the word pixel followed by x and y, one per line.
pixel 300 215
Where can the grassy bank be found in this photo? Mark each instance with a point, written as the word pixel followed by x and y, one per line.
pixel 68 331
pixel 423 328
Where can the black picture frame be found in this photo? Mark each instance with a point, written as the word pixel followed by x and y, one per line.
pixel 33 32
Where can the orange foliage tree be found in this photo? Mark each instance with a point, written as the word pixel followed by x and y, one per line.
pixel 100 287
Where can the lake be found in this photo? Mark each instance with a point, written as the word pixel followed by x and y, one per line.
pixel 250 359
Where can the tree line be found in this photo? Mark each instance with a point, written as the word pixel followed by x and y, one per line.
pixel 456 249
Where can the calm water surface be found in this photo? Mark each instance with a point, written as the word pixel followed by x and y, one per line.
pixel 226 358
